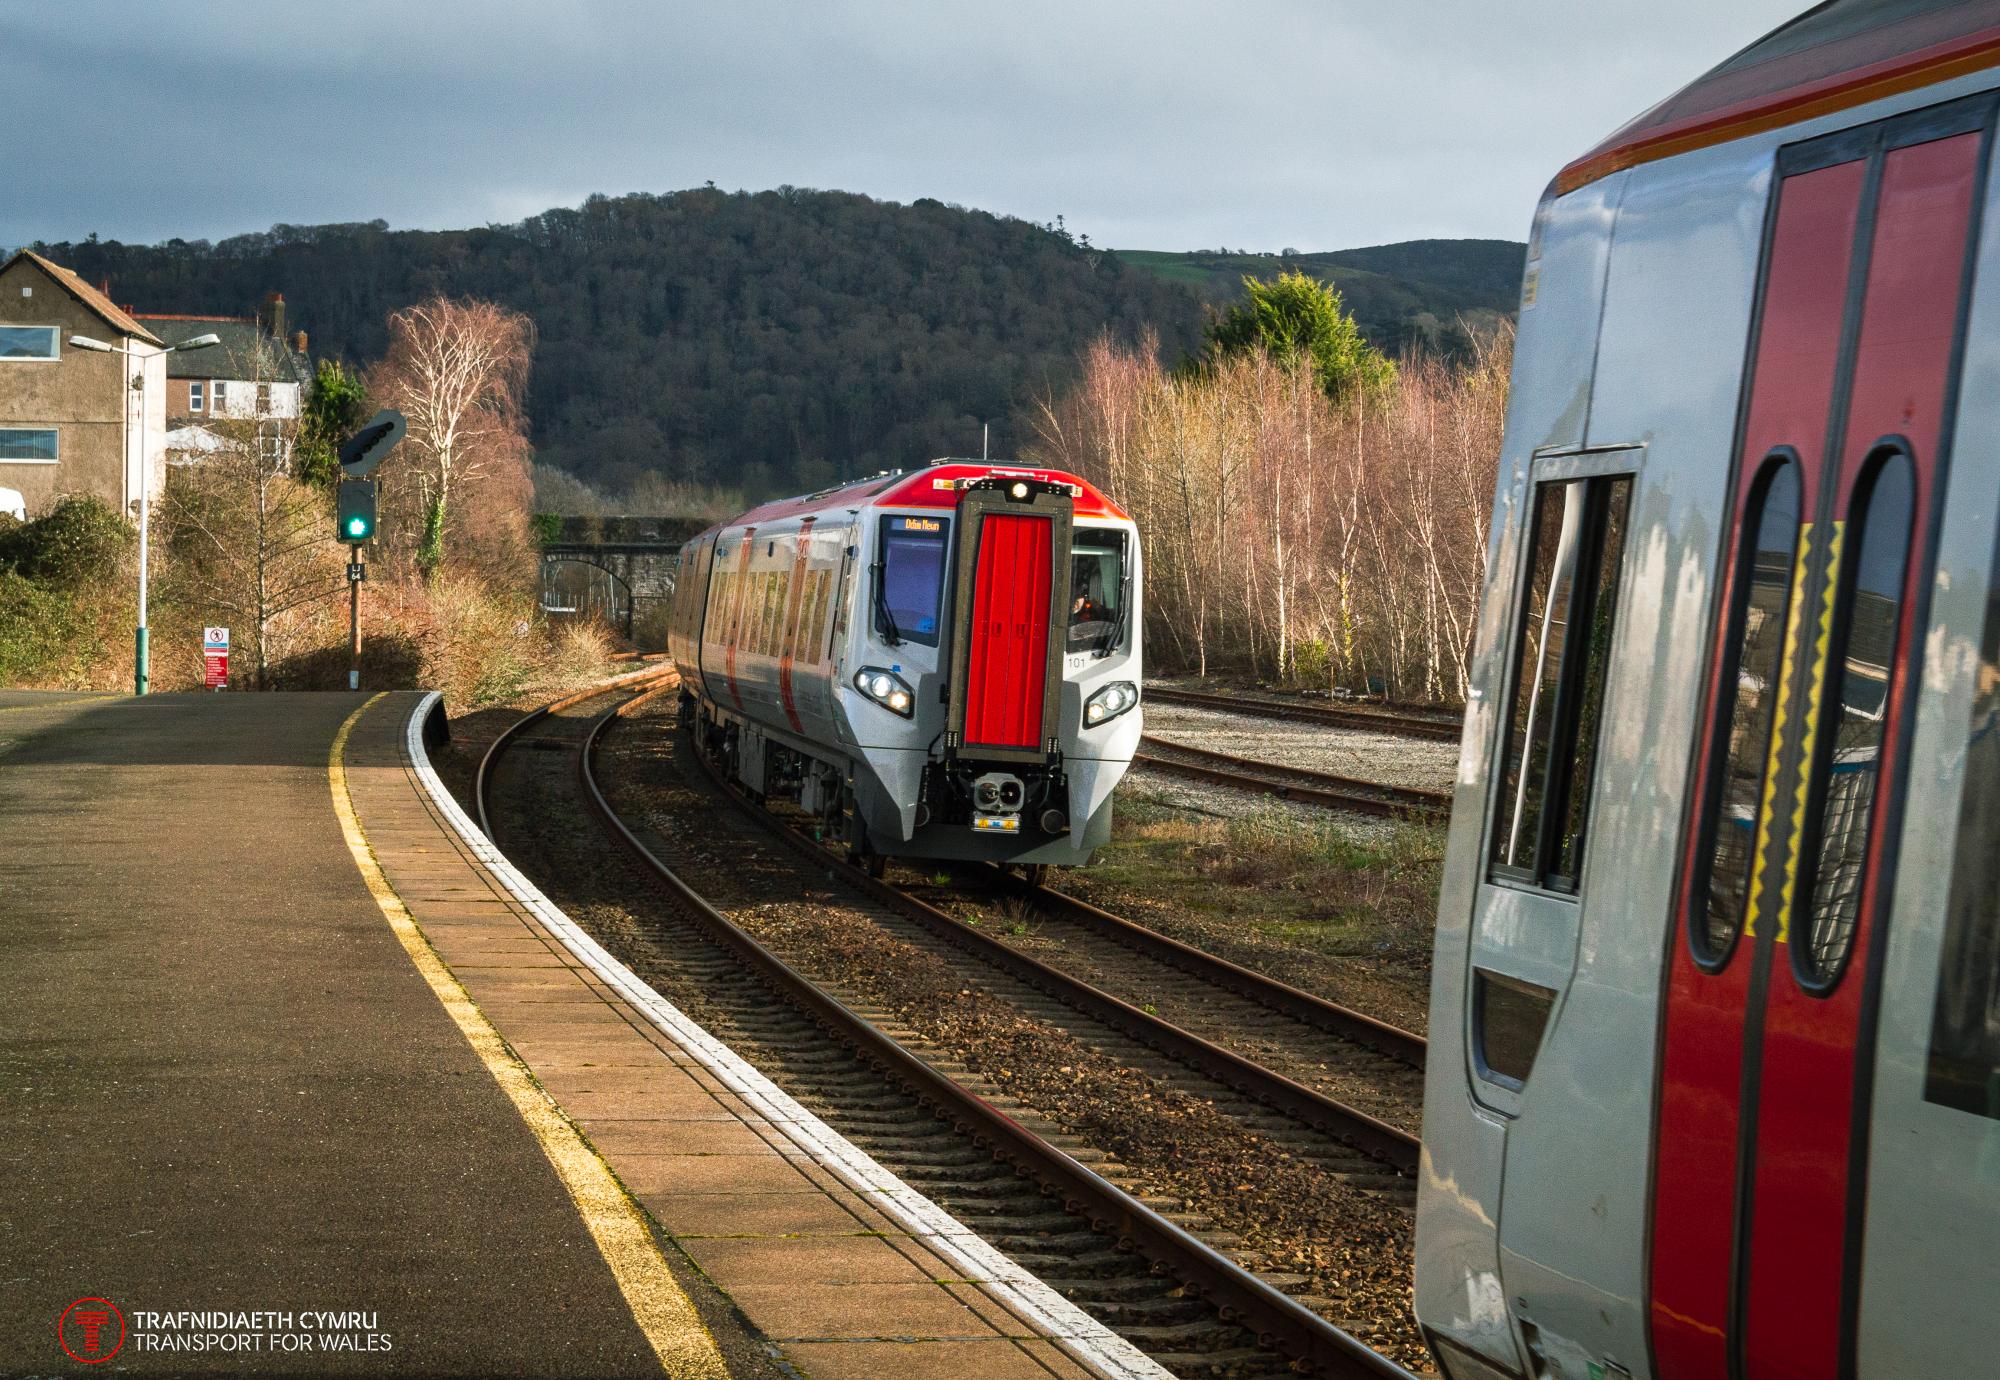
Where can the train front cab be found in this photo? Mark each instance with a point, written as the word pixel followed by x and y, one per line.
pixel 1714 1076
pixel 1027 652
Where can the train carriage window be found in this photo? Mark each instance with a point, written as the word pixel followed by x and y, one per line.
pixel 1964 1067
pixel 1755 642
pixel 909 578
pixel 822 580
pixel 1096 589
pixel 767 607
pixel 1562 660
pixel 1866 623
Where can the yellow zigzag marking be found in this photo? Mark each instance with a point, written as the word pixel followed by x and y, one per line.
pixel 1794 614
pixel 1815 690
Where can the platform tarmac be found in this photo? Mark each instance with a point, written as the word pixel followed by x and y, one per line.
pixel 290 1083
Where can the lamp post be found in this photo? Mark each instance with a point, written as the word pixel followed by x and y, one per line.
pixel 142 651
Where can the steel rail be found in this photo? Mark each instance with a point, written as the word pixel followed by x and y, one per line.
pixel 1343 1021
pixel 1292 783
pixel 482 779
pixel 1391 1145
pixel 1385 721
pixel 1239 1296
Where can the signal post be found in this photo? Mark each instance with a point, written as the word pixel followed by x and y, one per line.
pixel 355 515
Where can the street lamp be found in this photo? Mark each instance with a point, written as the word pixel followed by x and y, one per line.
pixel 142 652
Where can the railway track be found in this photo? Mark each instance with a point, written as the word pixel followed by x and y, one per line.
pixel 1291 783
pixel 1143 1268
pixel 1397 722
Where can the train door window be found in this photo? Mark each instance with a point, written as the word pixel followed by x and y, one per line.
pixel 1096 589
pixel 1874 551
pixel 816 629
pixel 1762 604
pixel 909 579
pixel 844 598
pixel 1562 658
pixel 1964 1068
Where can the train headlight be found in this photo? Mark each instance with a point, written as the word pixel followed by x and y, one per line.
pixel 887 689
pixel 1019 490
pixel 1108 703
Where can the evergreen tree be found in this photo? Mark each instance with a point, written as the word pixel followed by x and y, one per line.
pixel 1300 321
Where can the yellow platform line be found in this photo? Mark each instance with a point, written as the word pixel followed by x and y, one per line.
pixel 660 1307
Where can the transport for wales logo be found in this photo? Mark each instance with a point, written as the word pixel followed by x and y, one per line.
pixel 91 1330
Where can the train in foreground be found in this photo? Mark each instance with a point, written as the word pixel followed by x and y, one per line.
pixel 943 663
pixel 1714 1071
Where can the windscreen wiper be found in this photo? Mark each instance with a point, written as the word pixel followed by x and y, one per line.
pixel 1118 621
pixel 890 634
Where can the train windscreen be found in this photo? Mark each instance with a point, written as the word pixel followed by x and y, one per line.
pixel 1096 590
pixel 910 579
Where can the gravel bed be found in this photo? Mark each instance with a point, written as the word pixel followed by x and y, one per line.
pixel 1229 802
pixel 1351 1250
pixel 1423 763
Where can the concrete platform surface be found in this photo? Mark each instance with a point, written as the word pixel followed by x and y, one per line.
pixel 296 1075
pixel 225 1089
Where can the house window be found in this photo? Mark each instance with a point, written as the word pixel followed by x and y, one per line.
pixel 25 446
pixel 194 396
pixel 263 400
pixel 27 342
pixel 221 398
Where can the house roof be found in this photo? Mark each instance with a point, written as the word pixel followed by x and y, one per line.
pixel 236 359
pixel 122 321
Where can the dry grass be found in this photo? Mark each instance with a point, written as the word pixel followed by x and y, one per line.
pixel 1309 881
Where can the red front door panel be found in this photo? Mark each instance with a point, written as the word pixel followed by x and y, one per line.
pixel 1006 675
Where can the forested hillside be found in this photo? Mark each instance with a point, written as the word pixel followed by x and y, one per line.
pixel 765 341
pixel 1420 292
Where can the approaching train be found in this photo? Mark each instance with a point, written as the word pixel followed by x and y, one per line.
pixel 1714 1073
pixel 939 664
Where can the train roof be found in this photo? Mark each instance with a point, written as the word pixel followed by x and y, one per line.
pixel 933 487
pixel 1837 55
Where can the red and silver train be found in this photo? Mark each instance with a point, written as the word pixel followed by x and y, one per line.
pixel 1714 1075
pixel 939 664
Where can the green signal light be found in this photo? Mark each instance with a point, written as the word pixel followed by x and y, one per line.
pixel 357 526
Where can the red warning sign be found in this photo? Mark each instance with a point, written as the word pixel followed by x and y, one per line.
pixel 215 658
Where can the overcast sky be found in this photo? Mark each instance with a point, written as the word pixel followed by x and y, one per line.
pixel 1158 124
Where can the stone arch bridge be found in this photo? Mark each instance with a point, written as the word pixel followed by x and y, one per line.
pixel 639 555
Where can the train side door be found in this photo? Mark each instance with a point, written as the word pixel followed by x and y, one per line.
pixel 1774 955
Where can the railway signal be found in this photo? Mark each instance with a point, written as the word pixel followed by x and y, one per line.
pixel 356 510
pixel 368 447
pixel 355 514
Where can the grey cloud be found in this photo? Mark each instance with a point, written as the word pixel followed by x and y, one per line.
pixel 1165 124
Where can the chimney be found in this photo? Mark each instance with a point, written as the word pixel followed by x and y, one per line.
pixel 274 314
pixel 298 342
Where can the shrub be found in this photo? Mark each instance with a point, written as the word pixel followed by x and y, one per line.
pixel 80 540
pixel 1312 663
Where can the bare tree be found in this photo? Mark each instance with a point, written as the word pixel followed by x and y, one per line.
pixel 458 370
pixel 1290 535
pixel 246 544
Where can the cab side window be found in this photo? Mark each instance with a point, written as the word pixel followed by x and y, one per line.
pixel 1562 654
